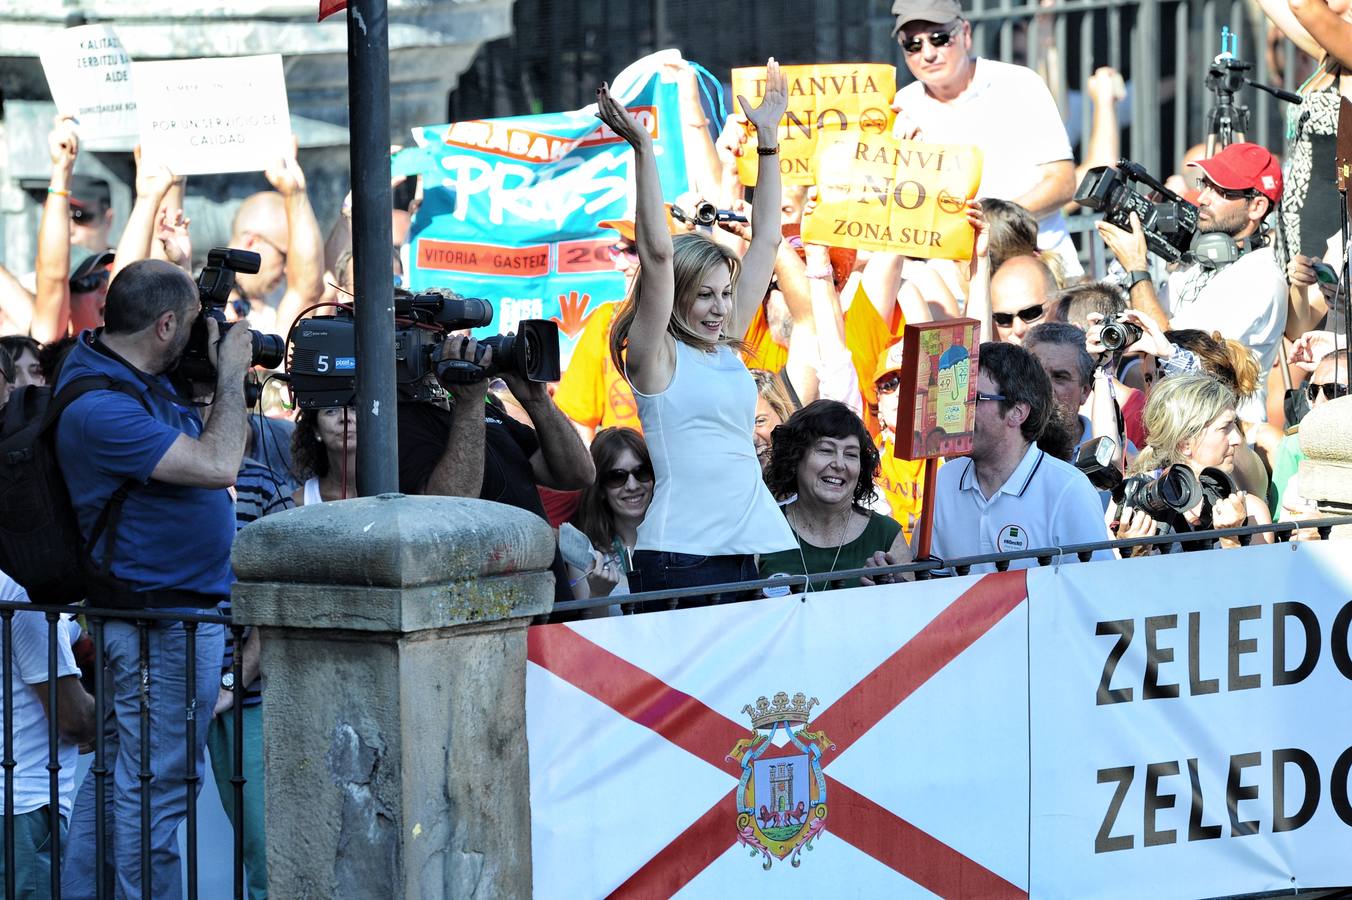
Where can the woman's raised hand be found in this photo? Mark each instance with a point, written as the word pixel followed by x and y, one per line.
pixel 774 102
pixel 617 118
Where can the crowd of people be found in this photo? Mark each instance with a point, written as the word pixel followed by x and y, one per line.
pixel 731 418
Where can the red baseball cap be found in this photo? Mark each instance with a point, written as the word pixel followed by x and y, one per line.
pixel 1244 167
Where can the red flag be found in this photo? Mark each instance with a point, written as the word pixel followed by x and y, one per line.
pixel 329 7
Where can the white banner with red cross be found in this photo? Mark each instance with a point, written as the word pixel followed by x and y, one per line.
pixel 897 741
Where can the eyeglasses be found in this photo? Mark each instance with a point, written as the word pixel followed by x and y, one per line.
pixel 997 398
pixel 937 39
pixel 1209 185
pixel 1331 391
pixel 889 384
pixel 1029 314
pixel 618 478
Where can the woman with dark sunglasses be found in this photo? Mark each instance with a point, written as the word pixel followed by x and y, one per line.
pixel 612 508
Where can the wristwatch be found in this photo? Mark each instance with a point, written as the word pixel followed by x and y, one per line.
pixel 228 681
pixel 1136 277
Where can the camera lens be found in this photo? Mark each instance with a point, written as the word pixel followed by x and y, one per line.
pixel 1118 335
pixel 268 349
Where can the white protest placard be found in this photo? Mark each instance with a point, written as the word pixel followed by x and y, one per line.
pixel 1189 723
pixel 89 75
pixel 202 116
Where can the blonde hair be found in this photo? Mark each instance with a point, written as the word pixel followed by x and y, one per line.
pixel 1180 409
pixel 692 258
pixel 769 388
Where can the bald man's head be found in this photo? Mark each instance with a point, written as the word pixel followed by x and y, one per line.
pixel 260 225
pixel 1022 289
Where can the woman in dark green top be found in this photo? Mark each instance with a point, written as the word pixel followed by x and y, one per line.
pixel 822 469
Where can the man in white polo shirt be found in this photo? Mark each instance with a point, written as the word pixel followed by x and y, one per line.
pixel 1008 495
pixel 1004 109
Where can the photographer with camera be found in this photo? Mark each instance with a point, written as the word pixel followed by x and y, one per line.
pixel 1232 283
pixel 470 447
pixel 1192 422
pixel 169 549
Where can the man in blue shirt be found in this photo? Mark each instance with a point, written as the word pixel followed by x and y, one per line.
pixel 170 551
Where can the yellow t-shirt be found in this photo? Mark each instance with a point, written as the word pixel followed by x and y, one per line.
pixel 592 392
pixel 902 482
pixel 769 355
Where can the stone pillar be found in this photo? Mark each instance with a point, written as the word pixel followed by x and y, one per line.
pixel 1326 471
pixel 394 646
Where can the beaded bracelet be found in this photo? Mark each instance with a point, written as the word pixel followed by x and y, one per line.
pixel 54 191
pixel 767 151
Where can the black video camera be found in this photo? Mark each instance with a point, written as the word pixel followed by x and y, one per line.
pixel 214 286
pixel 705 214
pixel 1169 223
pixel 323 370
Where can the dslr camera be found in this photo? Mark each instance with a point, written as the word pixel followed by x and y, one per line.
pixel 214 286
pixel 323 368
pixel 1167 495
pixel 1119 335
pixel 1169 222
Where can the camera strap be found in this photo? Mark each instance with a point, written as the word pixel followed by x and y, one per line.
pixel 151 384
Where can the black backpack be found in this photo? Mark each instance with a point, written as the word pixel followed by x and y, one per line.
pixel 41 547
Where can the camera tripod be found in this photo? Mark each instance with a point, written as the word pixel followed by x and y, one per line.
pixel 1228 121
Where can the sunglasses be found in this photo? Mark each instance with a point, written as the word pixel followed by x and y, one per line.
pixel 618 478
pixel 1331 391
pixel 1029 314
pixel 623 249
pixel 889 384
pixel 994 398
pixel 81 216
pixel 937 39
pixel 1209 185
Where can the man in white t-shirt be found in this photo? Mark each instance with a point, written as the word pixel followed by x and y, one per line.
pixel 1009 496
pixel 75 725
pixel 1004 109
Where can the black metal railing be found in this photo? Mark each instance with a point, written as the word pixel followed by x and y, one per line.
pixel 144 620
pixel 653 601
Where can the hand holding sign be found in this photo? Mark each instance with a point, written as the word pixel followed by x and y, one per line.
pixel 976 217
pixel 63 144
pixel 765 117
pixel 285 174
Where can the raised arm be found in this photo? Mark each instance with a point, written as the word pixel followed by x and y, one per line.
pixel 759 262
pixel 16 304
pixel 152 184
pixel 1280 14
pixel 305 243
pixel 651 357
pixel 1328 29
pixel 979 290
pixel 51 307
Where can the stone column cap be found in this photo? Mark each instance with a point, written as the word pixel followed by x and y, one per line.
pixel 393 541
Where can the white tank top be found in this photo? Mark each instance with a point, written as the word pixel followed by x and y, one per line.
pixel 709 498
pixel 312 492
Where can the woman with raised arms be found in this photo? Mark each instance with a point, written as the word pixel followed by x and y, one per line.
pixel 677 338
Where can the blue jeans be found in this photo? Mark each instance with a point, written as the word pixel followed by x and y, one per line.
pixel 32 854
pixel 169 762
pixel 659 570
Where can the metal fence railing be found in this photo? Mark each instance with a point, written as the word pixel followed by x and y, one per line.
pixel 1205 541
pixel 95 621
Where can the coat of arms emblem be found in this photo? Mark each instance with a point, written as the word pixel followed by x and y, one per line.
pixel 781 798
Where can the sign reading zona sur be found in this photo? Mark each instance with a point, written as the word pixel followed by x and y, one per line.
pixel 822 99
pixel 878 193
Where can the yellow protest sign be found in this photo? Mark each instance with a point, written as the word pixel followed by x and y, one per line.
pixel 827 98
pixel 877 193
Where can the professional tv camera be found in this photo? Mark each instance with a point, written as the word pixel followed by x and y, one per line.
pixel 214 286
pixel 323 357
pixel 1169 222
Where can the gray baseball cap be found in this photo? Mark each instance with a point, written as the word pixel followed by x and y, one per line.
pixel 939 12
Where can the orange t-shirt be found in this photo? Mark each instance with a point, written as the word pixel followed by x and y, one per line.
pixel 902 482
pixel 866 337
pixel 592 392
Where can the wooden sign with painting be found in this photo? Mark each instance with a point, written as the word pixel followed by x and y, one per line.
pixel 938 375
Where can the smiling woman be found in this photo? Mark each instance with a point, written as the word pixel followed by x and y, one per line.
pixel 823 464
